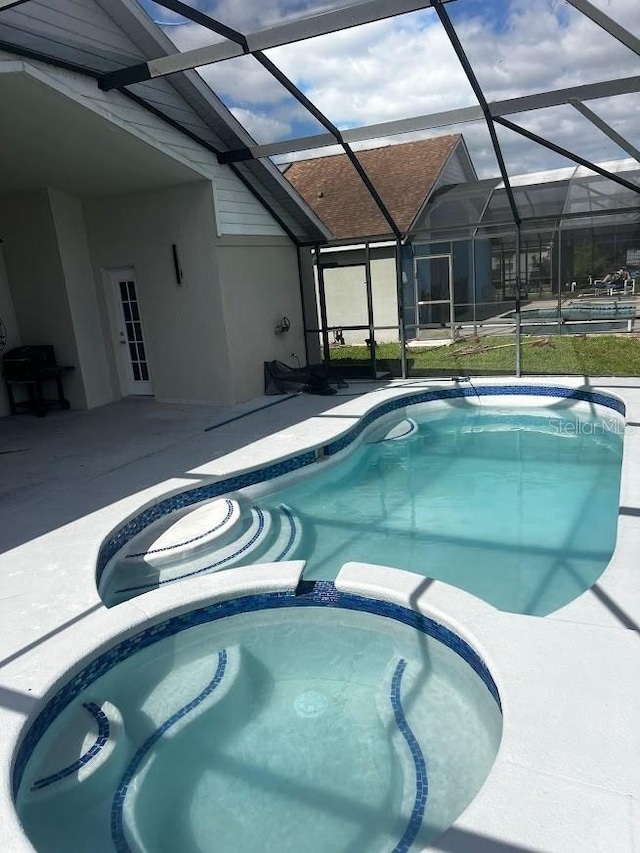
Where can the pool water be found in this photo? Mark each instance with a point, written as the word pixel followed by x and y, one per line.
pixel 619 314
pixel 517 507
pixel 311 728
pixel 583 311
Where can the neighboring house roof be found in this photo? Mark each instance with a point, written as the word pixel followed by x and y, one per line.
pixel 403 175
pixel 99 36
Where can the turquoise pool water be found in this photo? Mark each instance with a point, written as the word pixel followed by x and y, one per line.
pixel 312 729
pixel 518 507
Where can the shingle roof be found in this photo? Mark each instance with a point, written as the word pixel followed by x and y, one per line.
pixel 402 174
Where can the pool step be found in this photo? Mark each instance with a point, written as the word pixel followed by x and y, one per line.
pixel 288 538
pixel 403 429
pixel 258 536
pixel 256 533
pixel 272 535
pixel 223 673
pixel 175 539
pixel 89 751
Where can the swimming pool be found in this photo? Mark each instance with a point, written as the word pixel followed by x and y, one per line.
pixel 318 721
pixel 517 505
pixel 612 317
pixel 580 311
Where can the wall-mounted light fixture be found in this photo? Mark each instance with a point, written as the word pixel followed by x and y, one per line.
pixel 283 325
pixel 176 264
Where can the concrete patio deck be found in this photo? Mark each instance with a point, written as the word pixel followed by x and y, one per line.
pixel 569 782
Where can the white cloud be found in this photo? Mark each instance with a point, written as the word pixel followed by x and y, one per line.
pixel 261 126
pixel 406 66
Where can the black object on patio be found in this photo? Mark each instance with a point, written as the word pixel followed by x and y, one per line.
pixel 280 378
pixel 33 366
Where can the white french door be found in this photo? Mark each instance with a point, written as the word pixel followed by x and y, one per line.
pixel 129 344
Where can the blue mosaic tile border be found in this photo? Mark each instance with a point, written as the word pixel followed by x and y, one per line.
pixel 422 781
pixel 103 736
pixel 188 541
pixel 310 594
pixel 250 478
pixel 117 828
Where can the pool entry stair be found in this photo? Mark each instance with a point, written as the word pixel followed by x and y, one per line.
pixel 218 535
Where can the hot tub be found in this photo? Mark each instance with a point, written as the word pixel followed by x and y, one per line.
pixel 311 719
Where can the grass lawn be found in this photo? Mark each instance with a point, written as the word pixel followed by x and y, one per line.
pixel 596 355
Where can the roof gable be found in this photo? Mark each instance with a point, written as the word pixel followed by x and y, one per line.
pixel 403 176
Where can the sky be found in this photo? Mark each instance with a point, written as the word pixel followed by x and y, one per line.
pixel 405 66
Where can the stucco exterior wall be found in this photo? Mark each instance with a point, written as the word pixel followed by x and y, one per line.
pixel 184 324
pixel 82 298
pixel 37 282
pixel 260 285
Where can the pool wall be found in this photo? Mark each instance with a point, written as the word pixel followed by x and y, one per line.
pixel 473 394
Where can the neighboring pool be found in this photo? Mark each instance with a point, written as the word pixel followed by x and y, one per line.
pixel 320 722
pixel 516 505
pixel 581 311
pixel 601 316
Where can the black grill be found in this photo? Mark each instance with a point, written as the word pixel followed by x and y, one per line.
pixel 33 366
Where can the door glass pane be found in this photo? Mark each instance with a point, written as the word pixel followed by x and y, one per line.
pixel 137 355
pixel 432 278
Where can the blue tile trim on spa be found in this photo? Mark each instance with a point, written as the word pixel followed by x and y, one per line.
pixel 256 536
pixel 118 835
pixel 250 478
pixel 103 736
pixel 187 541
pixel 309 594
pixel 422 782
pixel 117 829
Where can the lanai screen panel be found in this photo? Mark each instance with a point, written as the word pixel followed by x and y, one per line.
pixel 520 48
pixel 596 194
